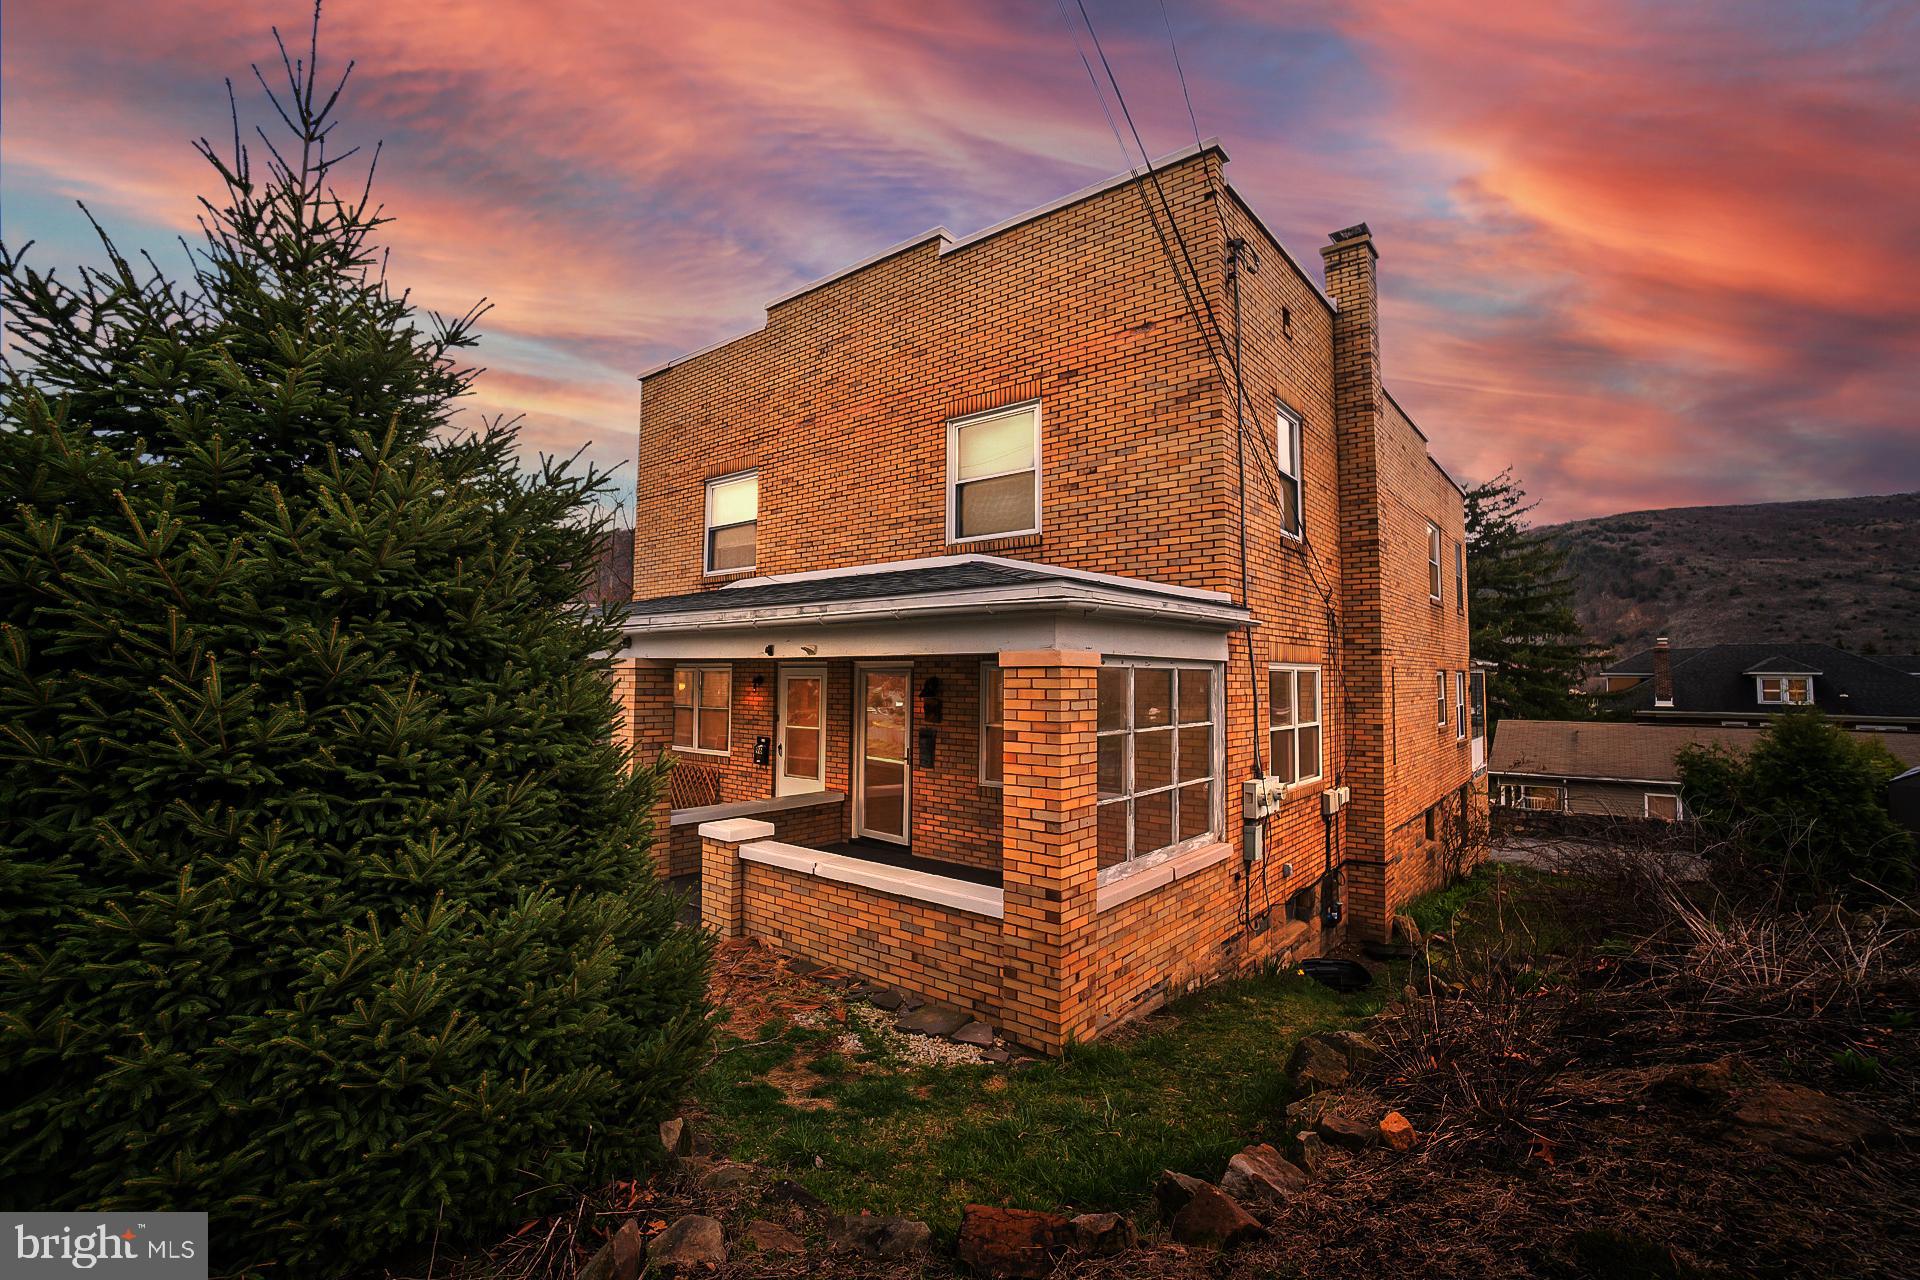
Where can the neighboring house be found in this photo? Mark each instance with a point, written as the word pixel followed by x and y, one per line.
pixel 939 609
pixel 1615 769
pixel 1743 684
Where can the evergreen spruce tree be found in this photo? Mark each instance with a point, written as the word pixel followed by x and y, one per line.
pixel 1522 610
pixel 326 901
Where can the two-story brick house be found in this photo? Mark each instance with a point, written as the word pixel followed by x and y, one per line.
pixel 942 606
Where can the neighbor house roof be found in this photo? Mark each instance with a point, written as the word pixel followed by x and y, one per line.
pixel 1631 752
pixel 1719 679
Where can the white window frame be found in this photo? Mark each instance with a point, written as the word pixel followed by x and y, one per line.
pixel 707 526
pixel 1433 562
pixel 1784 696
pixel 1217 767
pixel 1290 424
pixel 1440 687
pixel 954 427
pixel 701 671
pixel 1460 706
pixel 1646 804
pixel 987 670
pixel 1319 722
pixel 1460 577
pixel 1513 795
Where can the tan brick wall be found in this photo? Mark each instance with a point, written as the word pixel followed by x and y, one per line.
pixel 942 954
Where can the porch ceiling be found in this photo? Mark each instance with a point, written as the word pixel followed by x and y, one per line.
pixel 943 605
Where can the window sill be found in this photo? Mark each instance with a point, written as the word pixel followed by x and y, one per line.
pixel 703 751
pixel 1134 884
pixel 993 543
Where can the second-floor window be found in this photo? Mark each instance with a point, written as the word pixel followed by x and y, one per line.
pixel 1433 563
pixel 733 521
pixel 1287 448
pixel 993 474
pixel 1460 576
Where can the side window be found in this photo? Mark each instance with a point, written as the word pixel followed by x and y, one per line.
pixel 993 732
pixel 1460 576
pixel 993 474
pixel 1460 705
pixel 1158 760
pixel 1433 563
pixel 1288 453
pixel 1293 722
pixel 1440 686
pixel 733 521
pixel 703 709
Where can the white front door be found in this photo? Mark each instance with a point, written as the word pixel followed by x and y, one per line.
pixel 882 717
pixel 800 744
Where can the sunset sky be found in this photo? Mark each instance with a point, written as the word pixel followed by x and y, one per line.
pixel 1650 254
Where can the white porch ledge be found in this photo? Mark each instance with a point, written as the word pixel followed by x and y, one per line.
pixel 924 886
pixel 1144 881
pixel 751 808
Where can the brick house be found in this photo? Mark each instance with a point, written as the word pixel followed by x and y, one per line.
pixel 939 608
pixel 1744 684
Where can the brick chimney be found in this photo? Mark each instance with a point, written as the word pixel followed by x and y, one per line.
pixel 1662 673
pixel 1358 404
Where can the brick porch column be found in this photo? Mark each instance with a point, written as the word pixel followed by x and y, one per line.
pixel 723 880
pixel 1049 862
pixel 643 691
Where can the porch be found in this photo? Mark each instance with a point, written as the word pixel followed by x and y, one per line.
pixel 1038 836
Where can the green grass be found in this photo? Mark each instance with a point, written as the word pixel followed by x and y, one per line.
pixel 1089 1132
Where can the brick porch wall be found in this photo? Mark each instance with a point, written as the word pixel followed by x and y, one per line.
pixel 941 954
pixel 814 827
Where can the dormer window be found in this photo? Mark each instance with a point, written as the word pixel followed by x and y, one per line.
pixel 1785 691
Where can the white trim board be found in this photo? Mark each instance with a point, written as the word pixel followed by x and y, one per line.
pixel 922 886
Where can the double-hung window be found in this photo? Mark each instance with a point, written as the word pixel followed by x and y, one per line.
pixel 1786 691
pixel 1460 577
pixel 733 519
pixel 1440 686
pixel 1293 722
pixel 1287 451
pixel 1663 805
pixel 993 474
pixel 1460 705
pixel 703 709
pixel 1159 760
pixel 993 730
pixel 1433 563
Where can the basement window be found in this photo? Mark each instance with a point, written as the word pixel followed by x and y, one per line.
pixel 1662 805
pixel 1293 722
pixel 1287 452
pixel 703 710
pixel 1786 691
pixel 993 474
pixel 733 522
pixel 1433 563
pixel 1159 753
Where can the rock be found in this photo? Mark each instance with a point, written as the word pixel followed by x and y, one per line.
pixel 1344 1130
pixel 690 1245
pixel 931 1020
pixel 770 1237
pixel 681 1137
pixel 1102 1235
pixel 1261 1175
pixel 875 1236
pixel 619 1258
pixel 1358 1049
pixel 724 1177
pixel 1317 1065
pixel 693 1168
pixel 910 1001
pixel 1694 1083
pixel 1397 1132
pixel 996 1055
pixel 804 967
pixel 888 999
pixel 1406 931
pixel 1802 1123
pixel 978 1034
pixel 1305 1111
pixel 1200 1213
pixel 1313 1152
pixel 799 1197
pixel 1012 1242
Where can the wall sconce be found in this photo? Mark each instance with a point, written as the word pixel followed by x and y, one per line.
pixel 759 681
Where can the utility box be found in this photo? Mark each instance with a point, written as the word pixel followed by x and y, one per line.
pixel 1261 797
pixel 1334 799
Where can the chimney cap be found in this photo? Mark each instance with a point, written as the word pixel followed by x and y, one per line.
pixel 1354 232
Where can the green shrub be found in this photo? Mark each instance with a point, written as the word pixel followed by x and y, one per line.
pixel 325 896
pixel 1809 802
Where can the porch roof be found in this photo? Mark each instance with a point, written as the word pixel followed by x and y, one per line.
pixel 943 604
